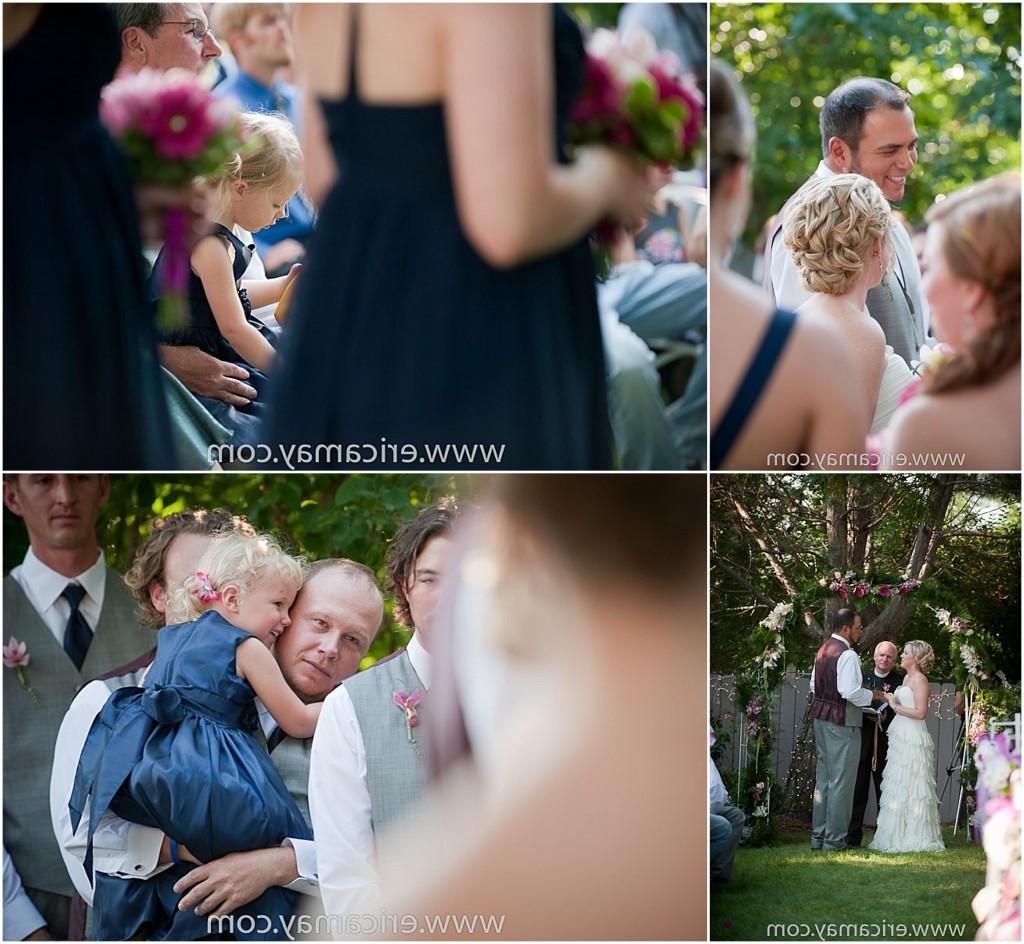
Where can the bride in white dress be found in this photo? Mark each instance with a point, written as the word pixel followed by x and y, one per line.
pixel 908 820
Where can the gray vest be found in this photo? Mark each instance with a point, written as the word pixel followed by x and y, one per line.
pixel 30 728
pixel 395 772
pixel 291 758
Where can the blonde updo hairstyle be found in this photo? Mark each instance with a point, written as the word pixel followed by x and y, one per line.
pixel 272 154
pixel 980 232
pixel 923 654
pixel 236 559
pixel 831 227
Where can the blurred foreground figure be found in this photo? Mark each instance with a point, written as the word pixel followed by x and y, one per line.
pixel 567 723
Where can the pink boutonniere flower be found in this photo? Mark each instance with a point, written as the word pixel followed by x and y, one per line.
pixel 408 704
pixel 16 657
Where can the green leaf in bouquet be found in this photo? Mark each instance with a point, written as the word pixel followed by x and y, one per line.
pixel 640 100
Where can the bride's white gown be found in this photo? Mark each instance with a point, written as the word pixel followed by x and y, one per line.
pixel 908 820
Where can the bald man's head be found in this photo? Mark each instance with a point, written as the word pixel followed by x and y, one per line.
pixel 885 657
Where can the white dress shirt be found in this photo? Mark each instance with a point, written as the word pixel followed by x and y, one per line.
pixel 718 796
pixel 44 586
pixel 339 802
pixel 849 677
pixel 787 284
pixel 21 917
pixel 122 848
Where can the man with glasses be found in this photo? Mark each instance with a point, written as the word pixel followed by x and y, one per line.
pixel 867 128
pixel 166 36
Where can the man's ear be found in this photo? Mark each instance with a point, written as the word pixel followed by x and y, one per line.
pixel 157 596
pixel 840 155
pixel 131 41
pixel 12 499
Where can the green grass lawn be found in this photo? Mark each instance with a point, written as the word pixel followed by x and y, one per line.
pixel 790 885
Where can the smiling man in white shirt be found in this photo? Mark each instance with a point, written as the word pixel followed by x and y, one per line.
pixel 867 128
pixel 75 619
pixel 367 766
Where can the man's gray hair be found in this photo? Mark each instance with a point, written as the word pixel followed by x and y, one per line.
pixel 847 106
pixel 146 16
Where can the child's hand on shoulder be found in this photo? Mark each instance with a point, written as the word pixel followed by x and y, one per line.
pixel 293 274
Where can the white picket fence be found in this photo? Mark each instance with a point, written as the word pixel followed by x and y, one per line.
pixel 788 707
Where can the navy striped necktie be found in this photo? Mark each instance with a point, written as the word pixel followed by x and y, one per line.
pixel 77 633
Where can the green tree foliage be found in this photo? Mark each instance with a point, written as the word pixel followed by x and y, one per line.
pixel 592 16
pixel 962 63
pixel 317 516
pixel 774 536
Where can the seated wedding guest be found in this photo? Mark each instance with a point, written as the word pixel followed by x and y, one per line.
pixel 492 218
pixel 969 403
pixel 867 128
pixel 839 232
pixel 259 35
pixel 82 323
pixel 576 604
pixel 165 36
pixel 251 192
pixel 723 852
pixel 72 620
pixel 333 621
pixel 367 765
pixel 779 384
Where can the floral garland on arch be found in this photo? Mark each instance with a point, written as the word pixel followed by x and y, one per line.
pixel 758 789
pixel 851 586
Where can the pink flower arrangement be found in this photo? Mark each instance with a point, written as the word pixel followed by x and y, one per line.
pixel 16 657
pixel 408 704
pixel 172 131
pixel 204 588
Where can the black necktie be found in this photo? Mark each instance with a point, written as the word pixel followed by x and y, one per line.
pixel 77 634
pixel 276 737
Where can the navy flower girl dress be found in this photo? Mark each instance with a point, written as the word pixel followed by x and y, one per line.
pixel 182 754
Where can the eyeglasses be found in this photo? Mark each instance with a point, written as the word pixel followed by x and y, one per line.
pixel 196 27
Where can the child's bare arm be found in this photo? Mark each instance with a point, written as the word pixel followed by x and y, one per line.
pixel 212 263
pixel 257 666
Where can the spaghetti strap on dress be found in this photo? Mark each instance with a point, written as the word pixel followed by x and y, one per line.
pixel 760 371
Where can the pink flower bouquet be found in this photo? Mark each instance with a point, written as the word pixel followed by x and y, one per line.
pixel 172 131
pixel 638 100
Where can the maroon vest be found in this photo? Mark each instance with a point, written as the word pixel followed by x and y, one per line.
pixel 828 704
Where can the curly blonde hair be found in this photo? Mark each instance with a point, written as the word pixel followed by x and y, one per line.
pixel 238 560
pixel 980 230
pixel 830 229
pixel 923 653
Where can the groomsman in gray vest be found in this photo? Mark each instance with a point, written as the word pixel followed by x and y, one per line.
pixel 367 767
pixel 333 621
pixel 76 621
pixel 836 709
pixel 867 128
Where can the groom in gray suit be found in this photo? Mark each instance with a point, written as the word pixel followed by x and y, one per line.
pixel 836 709
pixel 867 128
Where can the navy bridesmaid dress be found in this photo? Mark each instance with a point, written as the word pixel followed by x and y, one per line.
pixel 401 332
pixel 182 754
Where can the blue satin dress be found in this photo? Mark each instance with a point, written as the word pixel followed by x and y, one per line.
pixel 183 754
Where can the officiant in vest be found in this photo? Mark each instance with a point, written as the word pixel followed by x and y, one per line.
pixel 836 709
pixel 367 764
pixel 874 742
pixel 71 619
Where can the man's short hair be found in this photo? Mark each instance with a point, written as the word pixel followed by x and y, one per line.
pixel 406 547
pixel 146 16
pixel 226 18
pixel 847 107
pixel 843 618
pixel 352 569
pixel 148 563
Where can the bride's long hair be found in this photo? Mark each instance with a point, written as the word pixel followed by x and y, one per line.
pixel 980 229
